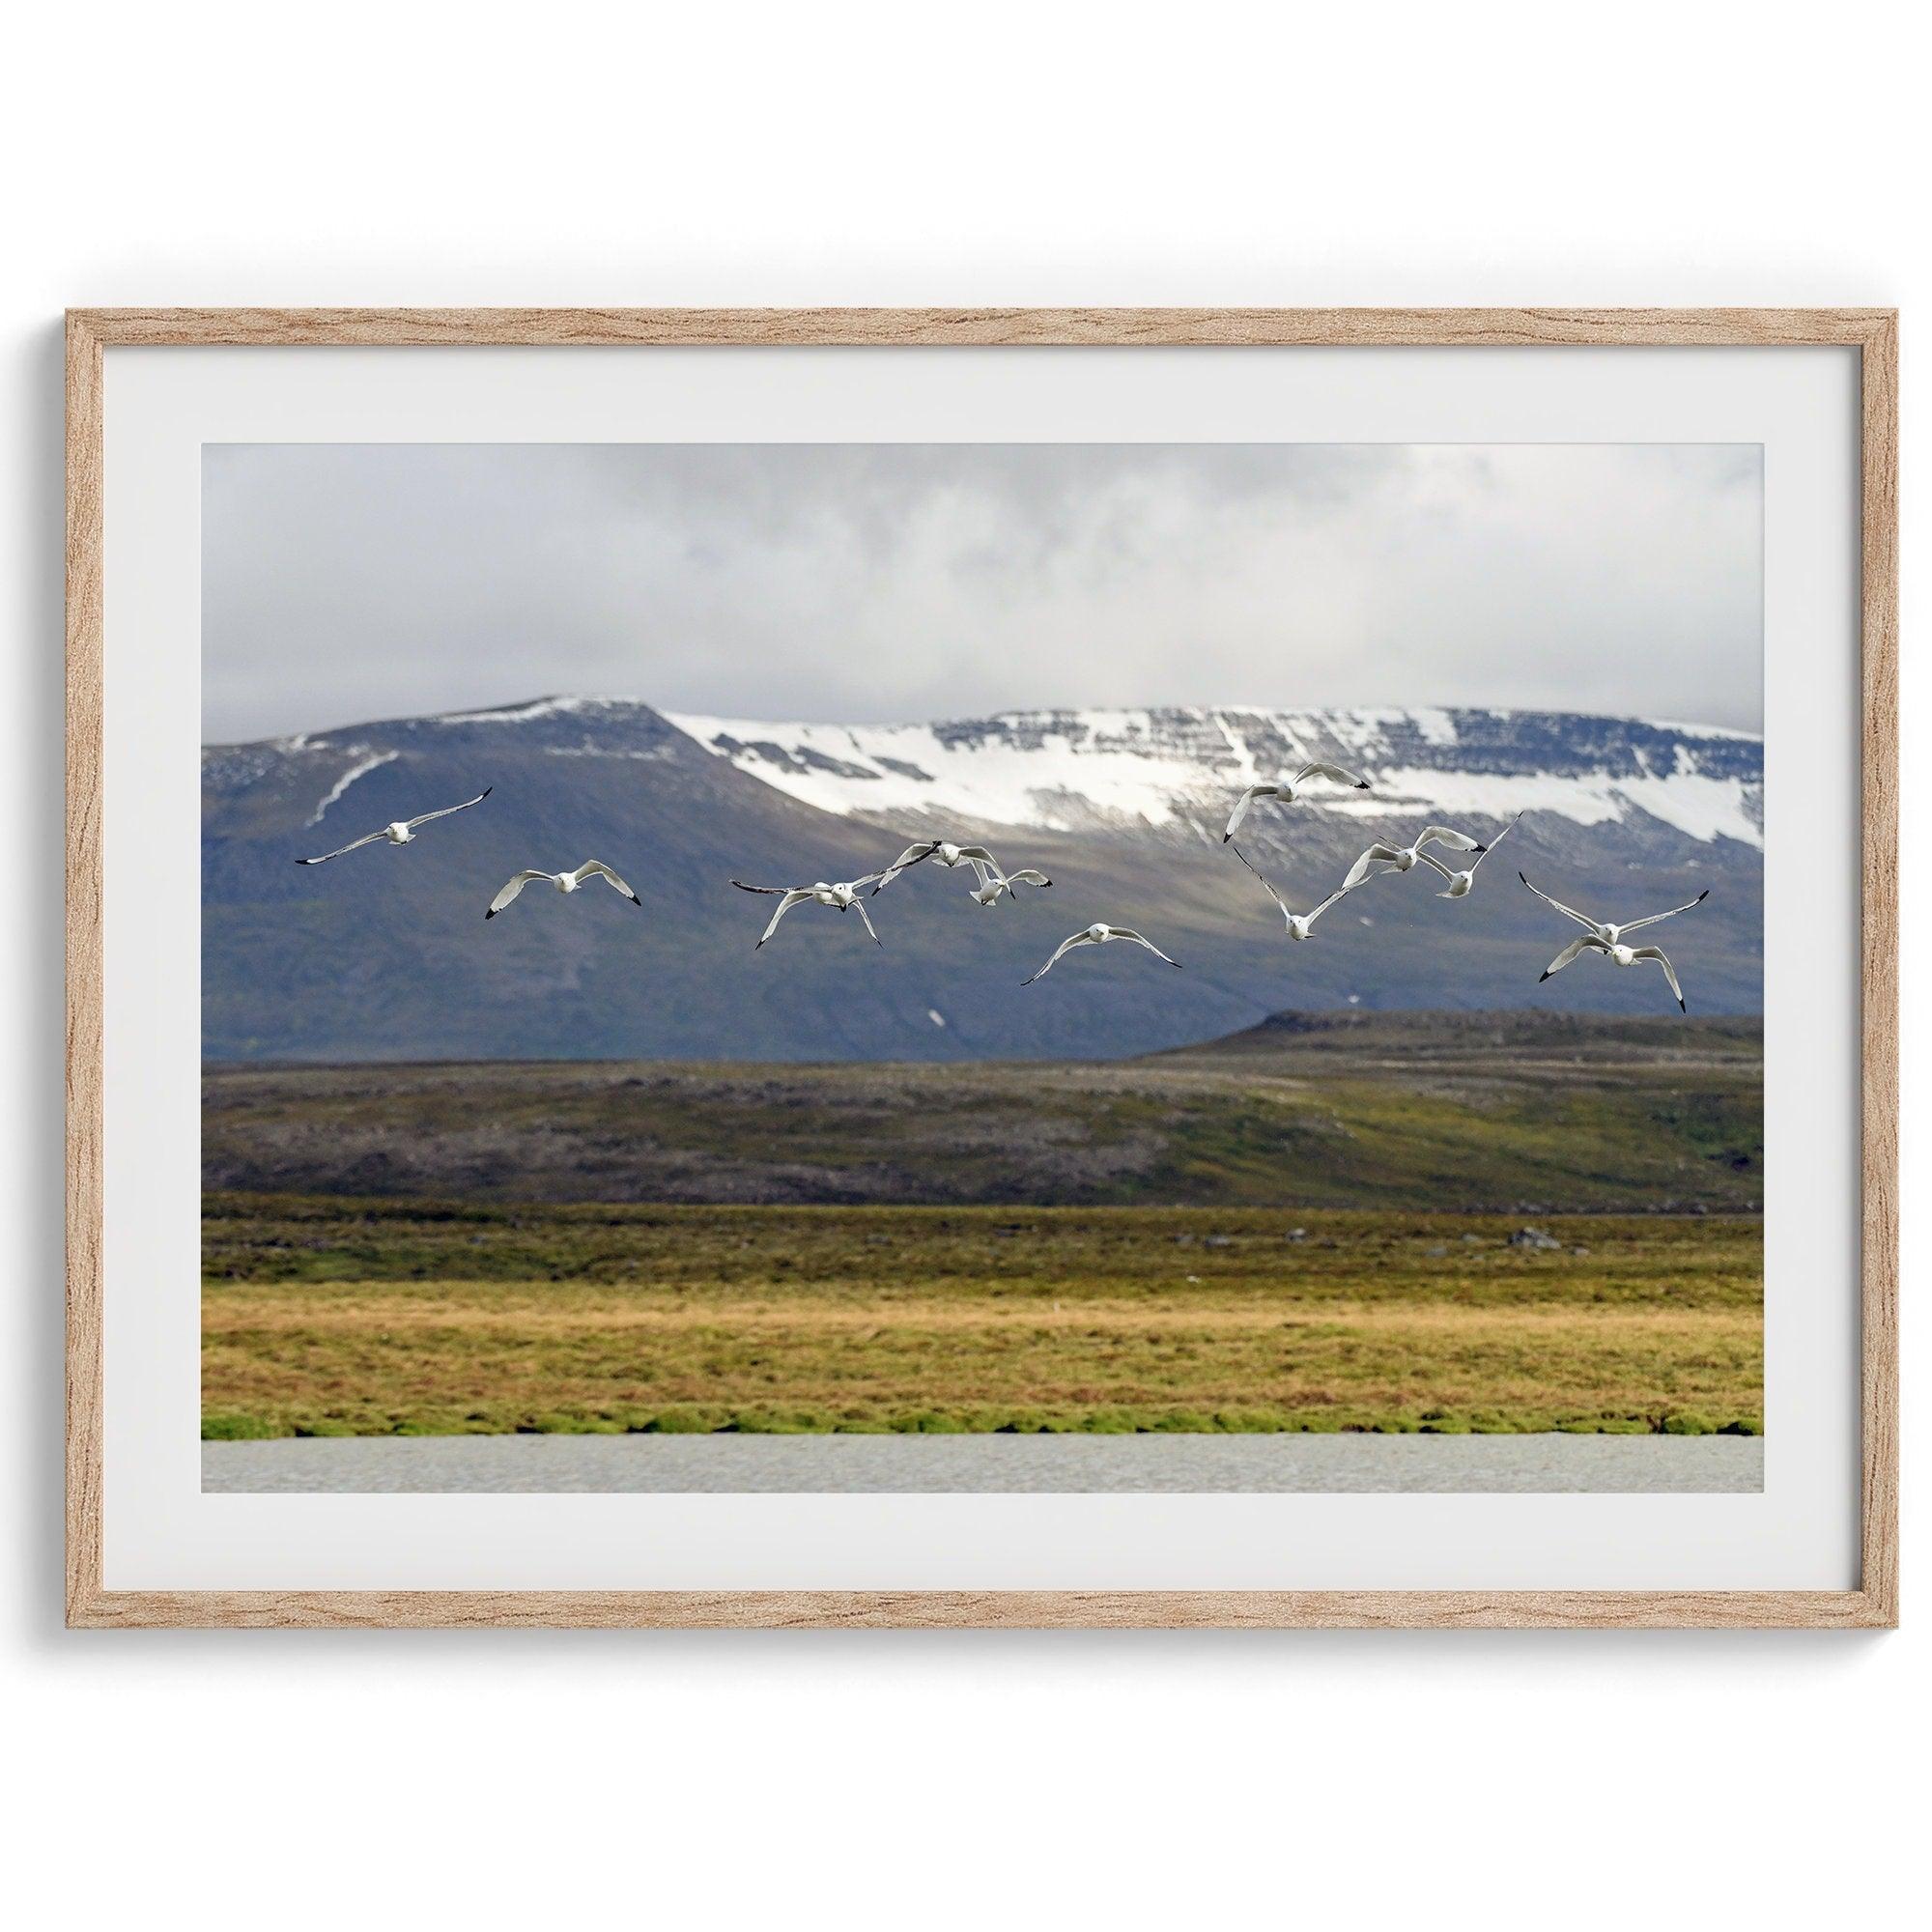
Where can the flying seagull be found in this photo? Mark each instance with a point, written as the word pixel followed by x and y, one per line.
pixel 564 882
pixel 1097 935
pixel 403 830
pixel 1299 922
pixel 1606 934
pixel 1287 790
pixel 1381 857
pixel 993 883
pixel 1461 882
pixel 943 851
pixel 841 898
pixel 1618 955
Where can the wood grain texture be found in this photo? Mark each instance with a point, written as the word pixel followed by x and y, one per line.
pixel 84 981
pixel 986 1609
pixel 1879 964
pixel 1038 327
pixel 1874 332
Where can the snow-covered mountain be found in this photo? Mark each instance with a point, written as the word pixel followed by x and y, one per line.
pixel 1075 771
pixel 385 953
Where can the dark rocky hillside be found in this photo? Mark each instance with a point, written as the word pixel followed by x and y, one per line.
pixel 1504 1112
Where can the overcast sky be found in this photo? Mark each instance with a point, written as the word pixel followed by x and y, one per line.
pixel 344 583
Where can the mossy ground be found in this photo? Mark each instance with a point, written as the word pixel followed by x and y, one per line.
pixel 331 1316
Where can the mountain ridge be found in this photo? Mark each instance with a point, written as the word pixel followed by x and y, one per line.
pixel 379 954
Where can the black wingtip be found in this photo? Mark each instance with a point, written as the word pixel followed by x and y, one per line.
pixel 490 915
pixel 1525 881
pixel 635 900
pixel 302 862
pixel 484 793
pixel 1541 976
pixel 1482 848
pixel 1361 784
pixel 1703 896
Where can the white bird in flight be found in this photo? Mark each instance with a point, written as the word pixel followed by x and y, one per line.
pixel 842 897
pixel 1287 790
pixel 1381 857
pixel 943 851
pixel 1618 955
pixel 403 831
pixel 1299 922
pixel 993 883
pixel 1096 934
pixel 1461 882
pixel 1603 933
pixel 564 882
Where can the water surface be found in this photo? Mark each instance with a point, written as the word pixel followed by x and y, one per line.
pixel 854 1464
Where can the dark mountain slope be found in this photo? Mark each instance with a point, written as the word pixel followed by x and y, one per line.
pixel 385 953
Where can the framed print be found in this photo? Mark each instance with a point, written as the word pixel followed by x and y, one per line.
pixel 1023 968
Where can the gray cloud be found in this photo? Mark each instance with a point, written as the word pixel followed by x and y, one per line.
pixel 871 582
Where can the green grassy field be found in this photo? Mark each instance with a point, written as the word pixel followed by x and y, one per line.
pixel 376 1316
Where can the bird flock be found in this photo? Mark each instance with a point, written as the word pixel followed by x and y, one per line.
pixel 991 883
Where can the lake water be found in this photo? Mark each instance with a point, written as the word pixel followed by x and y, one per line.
pixel 854 1464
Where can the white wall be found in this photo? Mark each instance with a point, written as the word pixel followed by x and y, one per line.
pixel 1001 154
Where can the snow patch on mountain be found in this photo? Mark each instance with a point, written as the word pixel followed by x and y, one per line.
pixel 1701 808
pixel 1050 777
pixel 360 769
pixel 524 714
pixel 1080 770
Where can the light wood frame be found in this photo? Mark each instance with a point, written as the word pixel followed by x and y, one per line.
pixel 1872 332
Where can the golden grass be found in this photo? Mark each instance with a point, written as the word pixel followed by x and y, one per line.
pixel 942 1320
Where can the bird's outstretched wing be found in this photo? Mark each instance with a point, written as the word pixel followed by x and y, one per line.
pixel 1669 972
pixel 351 847
pixel 1447 835
pixel 1242 804
pixel 412 823
pixel 1060 952
pixel 511 891
pixel 1570 952
pixel 924 848
pixel 743 888
pixel 1429 859
pixel 1568 912
pixel 1377 854
pixel 1632 924
pixel 1338 773
pixel 859 906
pixel 1028 875
pixel 1286 911
pixel 1339 893
pixel 792 896
pixel 1141 939
pixel 596 868
pixel 1496 841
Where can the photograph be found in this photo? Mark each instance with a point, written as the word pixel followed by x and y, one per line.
pixel 958 967
pixel 1087 967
